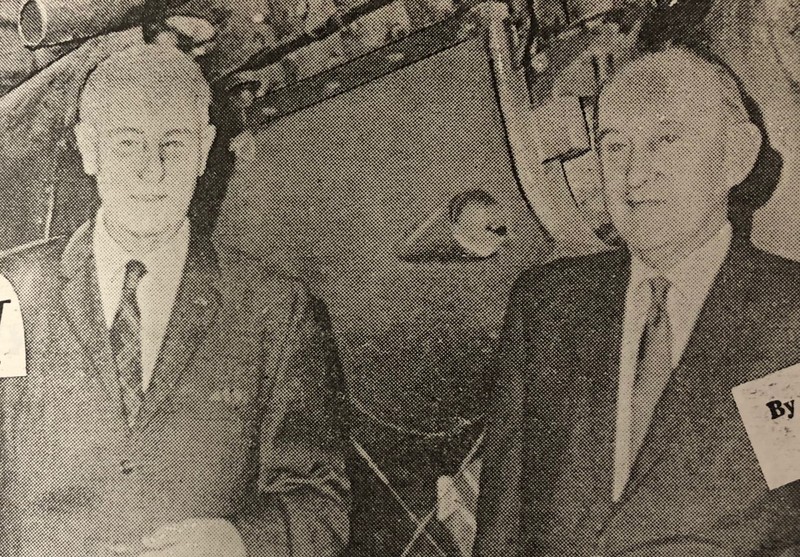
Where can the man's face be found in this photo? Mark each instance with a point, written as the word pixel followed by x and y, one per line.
pixel 662 150
pixel 148 149
pixel 583 179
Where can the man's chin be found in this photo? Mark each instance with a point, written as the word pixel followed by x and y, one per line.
pixel 145 222
pixel 148 229
pixel 644 241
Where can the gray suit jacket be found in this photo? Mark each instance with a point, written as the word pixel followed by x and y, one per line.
pixel 240 420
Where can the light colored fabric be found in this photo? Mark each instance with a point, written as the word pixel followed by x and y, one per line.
pixel 690 281
pixel 457 503
pixel 156 291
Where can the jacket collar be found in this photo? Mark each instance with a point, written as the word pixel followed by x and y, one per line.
pixel 202 256
pixel 198 300
pixel 78 250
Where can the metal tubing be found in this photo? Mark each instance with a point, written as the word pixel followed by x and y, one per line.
pixel 51 22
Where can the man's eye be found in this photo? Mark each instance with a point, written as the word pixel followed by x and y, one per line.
pixel 614 147
pixel 173 147
pixel 128 146
pixel 669 138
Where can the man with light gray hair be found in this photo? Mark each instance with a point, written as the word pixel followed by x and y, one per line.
pixel 177 402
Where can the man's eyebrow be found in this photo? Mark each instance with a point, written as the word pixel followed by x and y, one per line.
pixel 605 131
pixel 178 131
pixel 119 131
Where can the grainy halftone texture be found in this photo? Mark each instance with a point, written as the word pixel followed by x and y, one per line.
pixel 326 196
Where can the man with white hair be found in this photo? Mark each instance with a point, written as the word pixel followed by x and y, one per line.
pixel 178 398
pixel 614 430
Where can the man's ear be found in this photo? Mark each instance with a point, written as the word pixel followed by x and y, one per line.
pixel 206 141
pixel 86 138
pixel 743 144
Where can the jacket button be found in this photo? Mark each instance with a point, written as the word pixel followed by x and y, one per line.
pixel 598 514
pixel 601 545
pixel 126 466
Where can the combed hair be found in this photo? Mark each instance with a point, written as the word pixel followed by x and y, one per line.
pixel 164 67
pixel 730 89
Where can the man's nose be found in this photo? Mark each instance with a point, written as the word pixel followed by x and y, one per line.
pixel 640 167
pixel 152 167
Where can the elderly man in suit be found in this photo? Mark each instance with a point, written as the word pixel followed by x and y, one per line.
pixel 178 398
pixel 614 430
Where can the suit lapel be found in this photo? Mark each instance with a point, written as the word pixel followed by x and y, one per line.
pixel 573 397
pixel 600 329
pixel 193 313
pixel 81 298
pixel 699 375
pixel 598 358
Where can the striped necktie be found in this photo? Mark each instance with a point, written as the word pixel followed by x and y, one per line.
pixel 654 365
pixel 126 343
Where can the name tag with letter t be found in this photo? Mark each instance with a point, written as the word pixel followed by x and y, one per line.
pixel 770 409
pixel 12 333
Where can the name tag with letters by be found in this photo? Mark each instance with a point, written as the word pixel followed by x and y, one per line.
pixel 770 416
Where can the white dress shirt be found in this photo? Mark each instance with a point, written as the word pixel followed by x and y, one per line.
pixel 156 291
pixel 690 281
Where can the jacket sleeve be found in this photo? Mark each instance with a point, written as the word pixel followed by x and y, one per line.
pixel 301 504
pixel 499 505
pixel 4 534
pixel 10 391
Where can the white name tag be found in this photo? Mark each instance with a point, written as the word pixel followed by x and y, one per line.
pixel 770 410
pixel 12 333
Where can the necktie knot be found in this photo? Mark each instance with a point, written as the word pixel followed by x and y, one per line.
pixel 659 288
pixel 134 271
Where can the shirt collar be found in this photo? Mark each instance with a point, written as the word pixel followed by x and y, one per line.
pixel 690 278
pixel 161 261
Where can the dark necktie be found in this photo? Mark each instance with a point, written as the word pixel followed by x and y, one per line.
pixel 654 365
pixel 126 343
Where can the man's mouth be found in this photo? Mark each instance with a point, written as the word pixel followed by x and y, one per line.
pixel 641 203
pixel 149 198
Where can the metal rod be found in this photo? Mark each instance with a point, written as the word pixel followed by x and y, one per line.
pixel 51 22
pixel 377 471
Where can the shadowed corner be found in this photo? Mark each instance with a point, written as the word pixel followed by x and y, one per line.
pixel 336 384
pixel 212 186
pixel 690 546
pixel 754 192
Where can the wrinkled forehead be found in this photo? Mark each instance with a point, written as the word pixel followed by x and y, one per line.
pixel 662 87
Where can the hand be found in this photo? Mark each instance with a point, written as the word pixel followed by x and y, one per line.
pixel 195 537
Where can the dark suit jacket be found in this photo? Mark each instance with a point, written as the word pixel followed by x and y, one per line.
pixel 239 421
pixel 547 478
